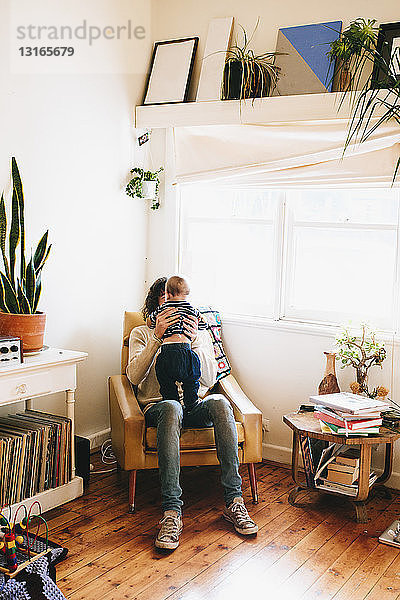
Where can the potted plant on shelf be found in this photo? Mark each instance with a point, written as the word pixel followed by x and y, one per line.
pixel 352 51
pixel 20 287
pixel 145 184
pixel 371 67
pixel 246 74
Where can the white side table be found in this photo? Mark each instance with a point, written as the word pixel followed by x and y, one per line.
pixel 48 372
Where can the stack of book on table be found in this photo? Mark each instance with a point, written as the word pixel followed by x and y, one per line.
pixel 349 414
pixel 338 470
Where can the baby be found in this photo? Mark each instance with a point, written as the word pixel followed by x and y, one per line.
pixel 177 362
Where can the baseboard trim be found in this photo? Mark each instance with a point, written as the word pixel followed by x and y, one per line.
pixel 278 454
pixel 98 438
pixel 394 481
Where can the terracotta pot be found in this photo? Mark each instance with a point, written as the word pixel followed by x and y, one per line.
pixel 30 328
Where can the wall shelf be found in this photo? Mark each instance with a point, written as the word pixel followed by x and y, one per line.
pixel 278 109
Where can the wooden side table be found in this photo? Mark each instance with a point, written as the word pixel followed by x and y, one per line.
pixel 305 424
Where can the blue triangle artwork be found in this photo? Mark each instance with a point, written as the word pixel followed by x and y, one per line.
pixel 305 66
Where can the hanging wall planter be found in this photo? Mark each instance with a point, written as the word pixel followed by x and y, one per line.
pixel 149 190
pixel 145 184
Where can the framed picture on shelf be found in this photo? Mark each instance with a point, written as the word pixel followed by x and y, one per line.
pixel 302 58
pixel 387 69
pixel 170 71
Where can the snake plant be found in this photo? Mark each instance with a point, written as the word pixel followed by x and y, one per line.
pixel 20 285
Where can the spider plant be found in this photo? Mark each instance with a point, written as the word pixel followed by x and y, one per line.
pixel 246 74
pixel 379 99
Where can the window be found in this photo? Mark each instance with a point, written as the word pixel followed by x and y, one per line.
pixel 228 248
pixel 304 255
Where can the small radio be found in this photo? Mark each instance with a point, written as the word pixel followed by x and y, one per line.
pixel 10 351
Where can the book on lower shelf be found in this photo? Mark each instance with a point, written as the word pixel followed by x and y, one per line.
pixel 338 470
pixel 35 454
pixel 349 490
pixel 347 478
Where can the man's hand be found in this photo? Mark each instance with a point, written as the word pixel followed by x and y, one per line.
pixel 191 327
pixel 164 319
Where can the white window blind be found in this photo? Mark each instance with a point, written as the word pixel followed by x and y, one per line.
pixel 307 153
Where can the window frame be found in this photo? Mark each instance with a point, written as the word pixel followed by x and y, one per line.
pixel 283 232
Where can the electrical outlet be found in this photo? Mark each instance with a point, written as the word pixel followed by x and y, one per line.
pixel 265 425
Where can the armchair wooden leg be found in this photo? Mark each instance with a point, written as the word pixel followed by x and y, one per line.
pixel 253 481
pixel 132 490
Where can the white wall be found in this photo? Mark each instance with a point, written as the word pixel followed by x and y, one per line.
pixel 278 367
pixel 73 139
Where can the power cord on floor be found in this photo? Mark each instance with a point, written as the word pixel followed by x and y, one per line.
pixel 107 457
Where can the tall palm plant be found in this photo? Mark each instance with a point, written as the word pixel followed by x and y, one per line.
pixel 379 99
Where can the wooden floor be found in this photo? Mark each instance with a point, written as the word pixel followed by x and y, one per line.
pixel 314 552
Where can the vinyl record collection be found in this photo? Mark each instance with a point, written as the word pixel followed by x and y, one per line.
pixel 35 454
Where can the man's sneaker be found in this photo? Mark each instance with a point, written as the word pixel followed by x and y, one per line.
pixel 237 514
pixel 170 530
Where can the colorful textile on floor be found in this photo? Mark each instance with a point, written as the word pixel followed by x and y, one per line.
pixel 36 581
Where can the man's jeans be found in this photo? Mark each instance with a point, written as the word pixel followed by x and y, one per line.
pixel 169 417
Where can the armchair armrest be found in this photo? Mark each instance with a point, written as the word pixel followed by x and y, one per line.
pixel 242 405
pixel 246 413
pixel 127 424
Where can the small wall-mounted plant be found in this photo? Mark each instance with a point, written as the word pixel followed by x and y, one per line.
pixel 145 184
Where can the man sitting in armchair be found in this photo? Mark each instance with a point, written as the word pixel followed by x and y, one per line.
pixel 169 416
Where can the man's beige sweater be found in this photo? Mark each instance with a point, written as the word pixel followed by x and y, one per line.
pixel 140 370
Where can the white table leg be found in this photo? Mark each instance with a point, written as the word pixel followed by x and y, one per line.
pixel 70 399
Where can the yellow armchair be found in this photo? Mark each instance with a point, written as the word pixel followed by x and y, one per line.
pixel 134 444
